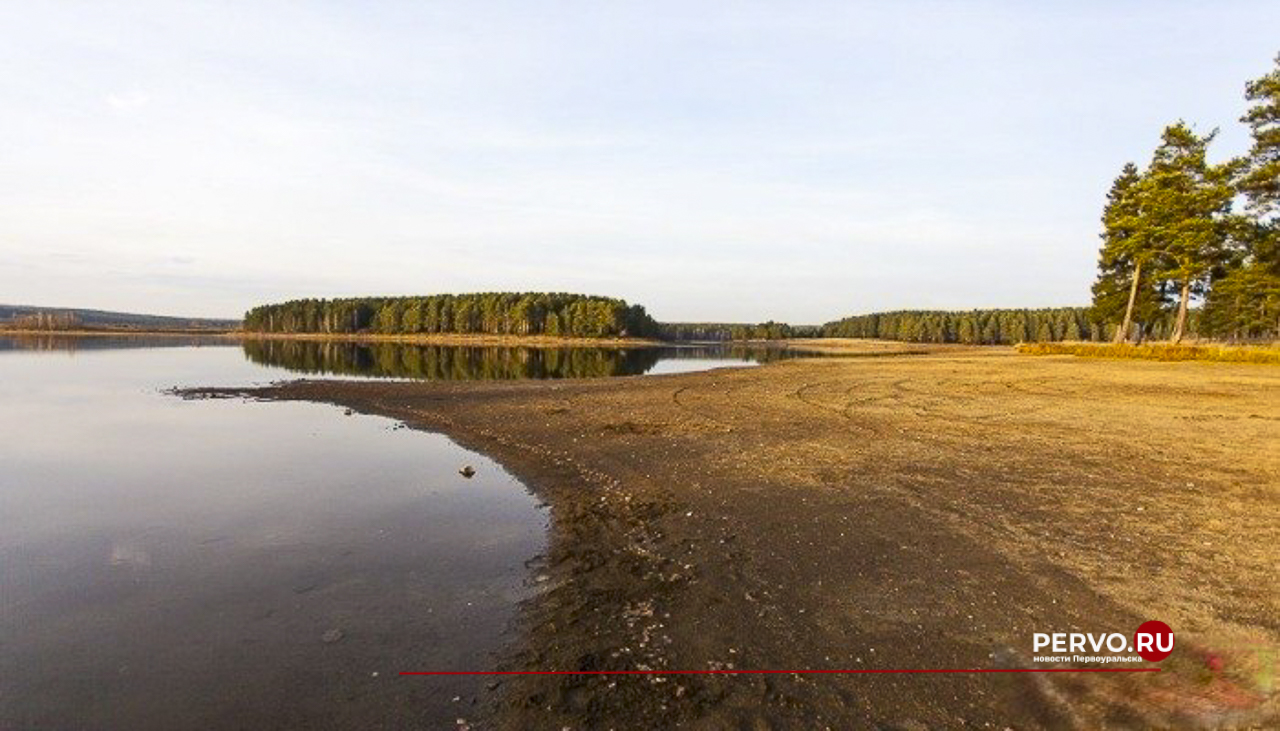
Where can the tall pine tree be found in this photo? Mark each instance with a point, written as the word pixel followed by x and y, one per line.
pixel 1245 301
pixel 1180 219
pixel 1261 180
pixel 1121 292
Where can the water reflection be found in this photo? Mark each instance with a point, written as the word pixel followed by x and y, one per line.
pixel 71 343
pixel 170 564
pixel 429 362
pixel 447 362
pixel 468 363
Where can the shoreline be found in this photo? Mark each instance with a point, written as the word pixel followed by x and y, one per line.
pixel 532 341
pixel 115 333
pixel 828 346
pixel 863 513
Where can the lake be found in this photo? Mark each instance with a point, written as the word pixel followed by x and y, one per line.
pixel 172 564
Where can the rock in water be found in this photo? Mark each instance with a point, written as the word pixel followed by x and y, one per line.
pixel 467 471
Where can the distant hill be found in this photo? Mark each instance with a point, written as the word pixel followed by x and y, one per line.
pixel 67 318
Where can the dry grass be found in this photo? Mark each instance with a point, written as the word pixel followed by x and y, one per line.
pixel 1158 351
pixel 864 346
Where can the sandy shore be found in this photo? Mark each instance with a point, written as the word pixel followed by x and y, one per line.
pixel 882 513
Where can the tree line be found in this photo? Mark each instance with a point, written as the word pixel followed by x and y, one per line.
pixel 973 327
pixel 1171 234
pixel 58 320
pixel 490 313
pixel 723 331
pixel 27 317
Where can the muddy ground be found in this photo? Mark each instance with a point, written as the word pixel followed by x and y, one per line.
pixel 922 511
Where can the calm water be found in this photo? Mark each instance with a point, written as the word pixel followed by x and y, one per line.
pixel 460 363
pixel 167 564
pixel 437 362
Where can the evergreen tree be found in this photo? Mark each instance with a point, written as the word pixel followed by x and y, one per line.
pixel 1072 331
pixel 411 320
pixel 1044 333
pixel 989 327
pixel 1261 180
pixel 1120 292
pixel 1244 300
pixel 1180 215
pixel 497 313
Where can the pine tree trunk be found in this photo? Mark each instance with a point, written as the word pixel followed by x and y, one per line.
pixel 1123 333
pixel 1182 312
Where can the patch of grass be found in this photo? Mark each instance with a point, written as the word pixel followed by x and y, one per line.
pixel 1158 351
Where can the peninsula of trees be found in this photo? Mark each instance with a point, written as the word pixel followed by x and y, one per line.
pixel 490 313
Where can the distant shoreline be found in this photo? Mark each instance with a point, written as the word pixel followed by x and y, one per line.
pixel 108 332
pixel 860 346
pixel 533 341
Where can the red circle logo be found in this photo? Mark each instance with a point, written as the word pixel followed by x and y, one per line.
pixel 1153 641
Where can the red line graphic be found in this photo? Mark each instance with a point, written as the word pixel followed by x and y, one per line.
pixel 780 672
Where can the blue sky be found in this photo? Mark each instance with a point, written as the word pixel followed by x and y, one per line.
pixel 712 160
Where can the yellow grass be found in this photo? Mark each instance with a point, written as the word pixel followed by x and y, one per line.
pixel 1158 351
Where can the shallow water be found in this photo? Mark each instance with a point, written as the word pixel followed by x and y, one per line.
pixel 170 564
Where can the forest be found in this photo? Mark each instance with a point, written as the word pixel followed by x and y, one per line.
pixel 29 317
pixel 1173 232
pixel 490 313
pixel 974 327
pixel 720 331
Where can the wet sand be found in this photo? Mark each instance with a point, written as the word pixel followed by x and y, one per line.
pixel 881 513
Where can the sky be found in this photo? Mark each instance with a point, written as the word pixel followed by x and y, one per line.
pixel 713 161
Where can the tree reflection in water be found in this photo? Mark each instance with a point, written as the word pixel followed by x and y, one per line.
pixel 488 362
